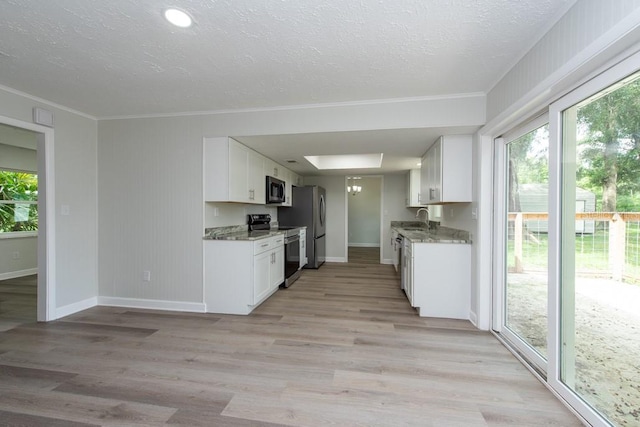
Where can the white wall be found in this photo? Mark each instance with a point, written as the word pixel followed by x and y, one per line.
pixel 75 185
pixel 588 29
pixel 27 261
pixel 364 213
pixel 234 213
pixel 18 158
pixel 152 214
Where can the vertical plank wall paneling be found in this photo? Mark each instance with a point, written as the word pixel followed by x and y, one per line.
pixel 584 23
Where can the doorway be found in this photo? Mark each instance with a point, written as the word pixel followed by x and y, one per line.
pixel 44 277
pixel 364 218
pixel 18 226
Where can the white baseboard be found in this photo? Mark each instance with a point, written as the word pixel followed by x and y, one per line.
pixel 76 307
pixel 387 261
pixel 196 307
pixel 19 273
pixel 364 245
pixel 335 259
pixel 473 318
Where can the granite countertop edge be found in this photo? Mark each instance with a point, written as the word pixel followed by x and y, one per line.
pixel 240 233
pixel 441 235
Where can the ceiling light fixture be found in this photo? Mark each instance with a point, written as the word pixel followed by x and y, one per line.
pixel 178 18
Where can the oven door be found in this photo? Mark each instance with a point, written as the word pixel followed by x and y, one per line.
pixel 291 259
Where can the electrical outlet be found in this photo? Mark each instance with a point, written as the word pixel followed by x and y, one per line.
pixel 16 255
pixel 146 276
pixel 216 211
pixel 474 213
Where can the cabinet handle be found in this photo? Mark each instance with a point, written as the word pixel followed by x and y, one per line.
pixel 264 245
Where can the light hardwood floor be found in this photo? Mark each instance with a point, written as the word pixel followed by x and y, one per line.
pixel 358 255
pixel 340 347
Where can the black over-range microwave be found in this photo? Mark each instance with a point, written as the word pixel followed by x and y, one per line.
pixel 275 190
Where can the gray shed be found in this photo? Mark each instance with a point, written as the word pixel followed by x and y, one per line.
pixel 535 198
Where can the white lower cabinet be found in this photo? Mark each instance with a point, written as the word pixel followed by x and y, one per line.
pixel 303 247
pixel 439 279
pixel 407 272
pixel 239 274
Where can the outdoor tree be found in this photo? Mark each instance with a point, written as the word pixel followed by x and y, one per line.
pixel 610 149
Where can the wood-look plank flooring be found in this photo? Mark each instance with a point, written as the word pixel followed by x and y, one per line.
pixel 340 347
pixel 358 255
pixel 18 301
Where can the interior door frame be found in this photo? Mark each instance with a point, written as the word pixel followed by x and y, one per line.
pixel 46 305
pixel 346 216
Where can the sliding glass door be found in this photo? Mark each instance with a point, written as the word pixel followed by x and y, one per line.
pixel 567 226
pixel 524 231
pixel 599 322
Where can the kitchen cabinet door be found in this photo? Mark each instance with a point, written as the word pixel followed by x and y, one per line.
pixel 288 184
pixel 257 183
pixel 276 273
pixel 407 271
pixel 303 248
pixel 262 275
pixel 232 172
pixel 446 170
pixel 238 173
pixel 413 197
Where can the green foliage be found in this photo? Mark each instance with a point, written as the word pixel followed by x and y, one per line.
pixel 609 152
pixel 16 187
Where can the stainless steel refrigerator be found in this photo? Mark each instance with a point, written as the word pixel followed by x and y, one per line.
pixel 308 207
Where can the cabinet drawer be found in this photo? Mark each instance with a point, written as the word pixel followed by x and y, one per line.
pixel 267 244
pixel 262 245
pixel 277 241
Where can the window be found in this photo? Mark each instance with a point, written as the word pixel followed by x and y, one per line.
pixel 567 238
pixel 599 291
pixel 18 202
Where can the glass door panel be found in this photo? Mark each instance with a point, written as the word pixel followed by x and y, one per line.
pixel 599 289
pixel 526 228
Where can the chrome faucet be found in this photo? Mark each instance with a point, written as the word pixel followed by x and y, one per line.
pixel 426 215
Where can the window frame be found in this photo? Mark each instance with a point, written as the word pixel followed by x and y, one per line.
pixel 20 234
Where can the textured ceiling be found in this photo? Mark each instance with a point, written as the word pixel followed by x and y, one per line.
pixel 120 57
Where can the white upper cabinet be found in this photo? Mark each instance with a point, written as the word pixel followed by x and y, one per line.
pixel 257 178
pixel 235 173
pixel 413 197
pixel 446 171
pixel 226 171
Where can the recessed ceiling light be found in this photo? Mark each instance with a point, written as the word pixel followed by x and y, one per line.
pixel 178 18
